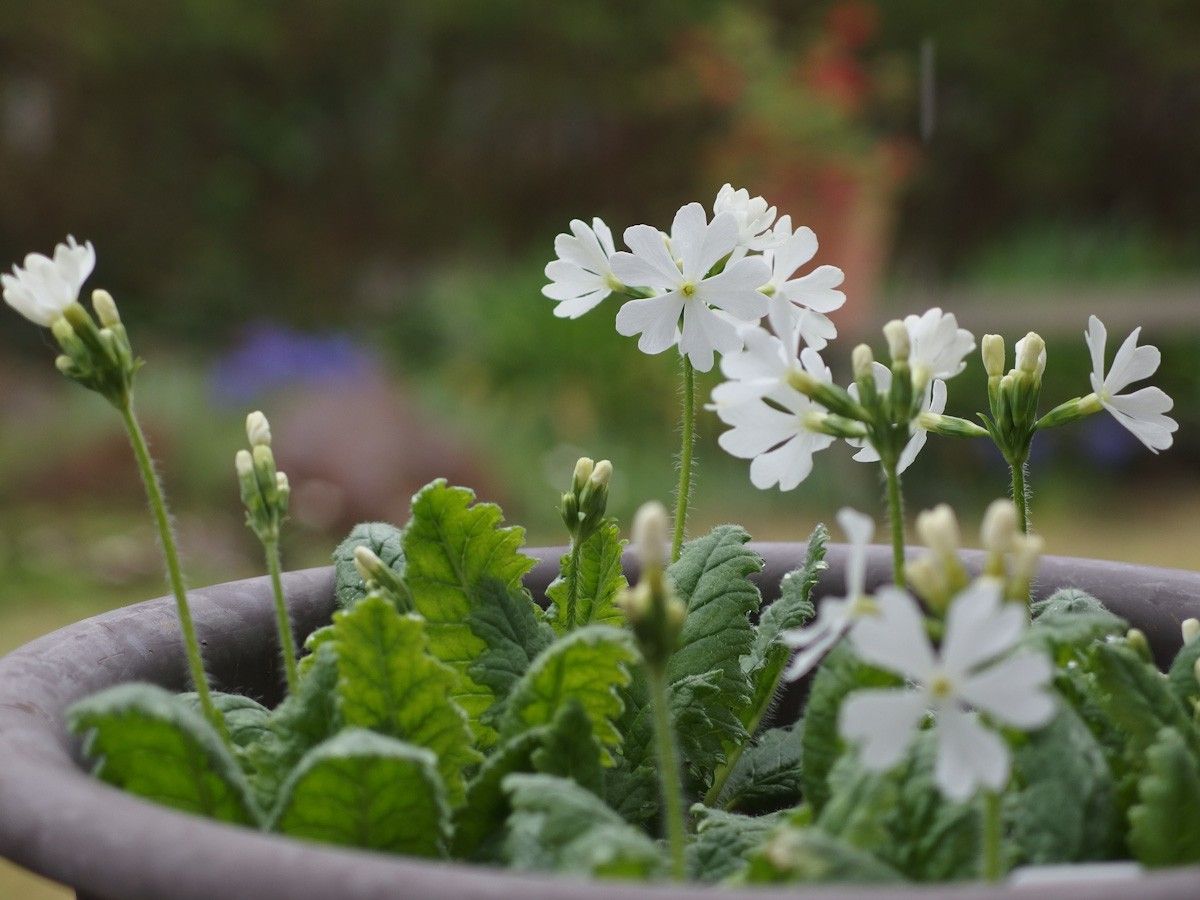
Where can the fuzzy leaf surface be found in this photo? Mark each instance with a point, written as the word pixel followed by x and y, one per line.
pixel 479 823
pixel 810 856
pixel 723 840
pixel 1071 619
pixel 599 580
pixel 1182 674
pixel 384 540
pixel 1137 697
pixel 513 633
pixel 144 740
pixel 1164 826
pixel 362 789
pixel 767 776
pixel 570 750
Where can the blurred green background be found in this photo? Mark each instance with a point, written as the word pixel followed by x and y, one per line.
pixel 339 213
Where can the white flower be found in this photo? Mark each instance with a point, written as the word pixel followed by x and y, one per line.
pixel 966 677
pixel 837 615
pixel 801 302
pixel 777 437
pixel 582 275
pixel 1143 411
pixel 934 401
pixel 939 346
pixel 45 287
pixel 687 288
pixel 753 215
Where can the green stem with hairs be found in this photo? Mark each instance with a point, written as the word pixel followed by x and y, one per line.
pixel 1020 492
pixel 687 446
pixel 287 643
pixel 573 582
pixel 993 834
pixel 895 503
pixel 668 771
pixel 154 494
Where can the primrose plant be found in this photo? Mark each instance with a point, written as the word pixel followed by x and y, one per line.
pixel 954 727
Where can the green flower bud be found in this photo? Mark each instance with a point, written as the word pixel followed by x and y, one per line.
pixel 258 429
pixel 1031 355
pixel 583 471
pixel 862 359
pixel 1138 643
pixel 950 426
pixel 601 474
pixel 105 308
pixel 992 350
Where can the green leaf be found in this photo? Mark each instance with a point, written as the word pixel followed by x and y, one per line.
pixel 245 718
pixel 1164 827
pixel 479 822
pixel 453 546
pixel 362 789
pixel 558 826
pixel 809 856
pixel 1071 620
pixel 723 840
pixel 513 635
pixel 1137 697
pixel 570 750
pixel 902 818
pixel 633 793
pixel 384 540
pixel 840 674
pixel 587 665
pixel 147 742
pixel 388 682
pixel 767 775
pixel 1063 806
pixel 1182 674
pixel 600 581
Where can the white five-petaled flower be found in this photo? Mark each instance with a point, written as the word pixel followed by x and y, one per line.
pixel 969 675
pixel 677 268
pixel 44 287
pixel 837 615
pixel 801 302
pixel 754 218
pixel 582 275
pixel 939 346
pixel 776 435
pixel 760 368
pixel 1143 412
pixel 933 402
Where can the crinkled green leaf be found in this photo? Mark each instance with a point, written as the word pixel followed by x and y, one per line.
pixel 599 580
pixel 245 718
pixel 1137 697
pixel 1183 677
pixel 362 789
pixel 902 818
pixel 506 620
pixel 633 793
pixel 557 826
pixel 840 674
pixel 148 742
pixel 1164 826
pixel 390 683
pixel 723 840
pixel 1071 619
pixel 384 540
pixel 1062 806
pixel 768 655
pixel 810 856
pixel 479 822
pixel 570 750
pixel 452 547
pixel 588 665
pixel 767 776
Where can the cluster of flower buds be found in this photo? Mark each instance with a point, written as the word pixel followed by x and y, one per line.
pixel 265 490
pixel 96 352
pixel 583 506
pixel 1009 556
pixel 654 612
pixel 379 577
pixel 1013 396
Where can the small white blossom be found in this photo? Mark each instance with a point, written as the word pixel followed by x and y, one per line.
pixel 801 302
pixel 939 347
pixel 776 436
pixel 1143 412
pixel 754 217
pixel 582 275
pixel 44 287
pixel 1031 355
pixel 677 268
pixel 837 615
pixel 970 674
pixel 934 401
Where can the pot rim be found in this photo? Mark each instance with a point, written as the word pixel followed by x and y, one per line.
pixel 59 821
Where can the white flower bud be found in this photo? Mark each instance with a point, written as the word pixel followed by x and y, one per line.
pixel 1027 551
pixel 1190 628
pixel 106 309
pixel 938 528
pixel 992 350
pixel 861 359
pixel 1031 354
pixel 244 464
pixel 650 535
pixel 258 429
pixel 281 483
pixel 601 474
pixel 999 528
pixel 583 470
pixel 899 342
pixel 366 562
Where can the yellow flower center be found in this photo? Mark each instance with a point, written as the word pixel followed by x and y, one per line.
pixel 864 606
pixel 688 289
pixel 941 687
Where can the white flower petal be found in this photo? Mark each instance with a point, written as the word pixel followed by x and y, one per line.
pixel 1096 337
pixel 798 249
pixel 655 318
pixel 816 329
pixel 881 722
pixel 1152 429
pixel 736 289
pixel 895 639
pixel 813 651
pixel 968 756
pixel 1014 690
pixel 1132 363
pixel 786 465
pixel 980 626
pixel 859 528
pixel 575 307
pixel 704 332
pixel 757 428
pixel 650 246
pixel 816 289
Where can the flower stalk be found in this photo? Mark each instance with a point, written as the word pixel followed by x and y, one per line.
pixel 992 838
pixel 582 510
pixel 687 446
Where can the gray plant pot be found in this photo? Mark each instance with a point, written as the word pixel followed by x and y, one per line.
pixel 57 820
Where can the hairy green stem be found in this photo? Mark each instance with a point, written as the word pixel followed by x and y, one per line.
pixel 154 494
pixel 993 835
pixel 287 643
pixel 687 446
pixel 573 582
pixel 895 503
pixel 726 768
pixel 1020 491
pixel 668 770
